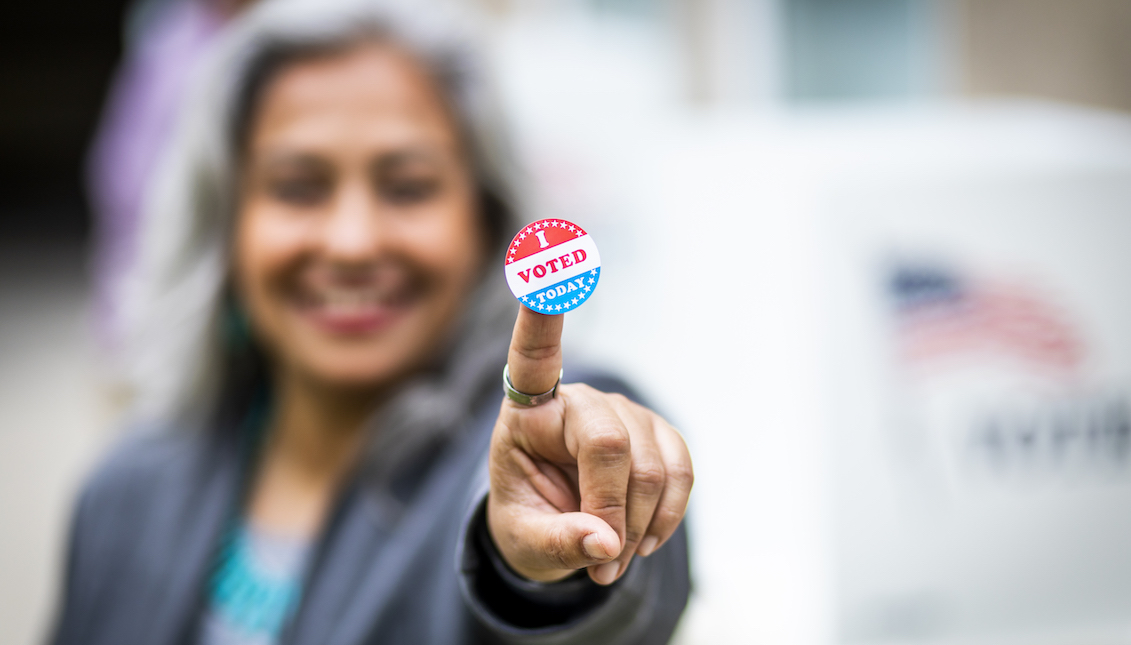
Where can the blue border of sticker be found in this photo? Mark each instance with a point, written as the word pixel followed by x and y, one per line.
pixel 564 296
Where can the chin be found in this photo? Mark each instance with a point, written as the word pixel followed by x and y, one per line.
pixel 354 369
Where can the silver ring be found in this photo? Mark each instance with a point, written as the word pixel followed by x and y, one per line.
pixel 524 399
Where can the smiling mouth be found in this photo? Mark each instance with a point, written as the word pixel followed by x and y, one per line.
pixel 355 310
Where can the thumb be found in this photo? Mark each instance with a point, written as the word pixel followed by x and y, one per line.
pixel 535 356
pixel 563 541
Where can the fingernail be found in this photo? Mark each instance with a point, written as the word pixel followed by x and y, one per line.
pixel 648 545
pixel 607 572
pixel 593 547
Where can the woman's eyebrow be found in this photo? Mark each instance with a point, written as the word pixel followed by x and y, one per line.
pixel 284 159
pixel 426 155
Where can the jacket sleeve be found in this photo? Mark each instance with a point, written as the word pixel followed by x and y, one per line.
pixel 642 607
pixel 67 626
pixel 87 549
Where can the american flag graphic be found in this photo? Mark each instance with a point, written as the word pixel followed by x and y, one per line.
pixel 940 314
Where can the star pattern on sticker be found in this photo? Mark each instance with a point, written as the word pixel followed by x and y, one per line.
pixel 558 307
pixel 529 231
pixel 586 291
pixel 567 305
pixel 574 301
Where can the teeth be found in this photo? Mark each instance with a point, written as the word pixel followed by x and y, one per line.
pixel 343 300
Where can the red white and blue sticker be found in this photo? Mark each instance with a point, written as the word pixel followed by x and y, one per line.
pixel 553 266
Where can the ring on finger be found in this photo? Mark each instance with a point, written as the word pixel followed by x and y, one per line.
pixel 524 399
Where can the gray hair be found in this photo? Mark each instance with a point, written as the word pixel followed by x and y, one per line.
pixel 178 361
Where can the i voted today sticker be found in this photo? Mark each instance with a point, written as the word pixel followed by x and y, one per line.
pixel 553 266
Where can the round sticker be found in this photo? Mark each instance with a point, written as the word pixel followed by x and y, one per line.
pixel 552 266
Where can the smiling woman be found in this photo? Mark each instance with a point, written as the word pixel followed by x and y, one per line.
pixel 322 455
pixel 358 240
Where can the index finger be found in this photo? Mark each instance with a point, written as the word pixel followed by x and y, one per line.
pixel 535 356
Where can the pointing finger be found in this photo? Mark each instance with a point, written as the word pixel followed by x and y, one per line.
pixel 535 356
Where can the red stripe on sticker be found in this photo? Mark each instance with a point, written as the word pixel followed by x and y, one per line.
pixel 542 235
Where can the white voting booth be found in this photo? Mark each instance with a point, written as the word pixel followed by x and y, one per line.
pixel 899 340
pixel 980 386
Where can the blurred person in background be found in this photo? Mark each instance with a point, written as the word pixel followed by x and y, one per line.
pixel 318 331
pixel 165 42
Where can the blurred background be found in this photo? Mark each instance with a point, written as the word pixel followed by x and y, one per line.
pixel 870 255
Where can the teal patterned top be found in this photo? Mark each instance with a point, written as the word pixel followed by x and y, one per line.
pixel 254 589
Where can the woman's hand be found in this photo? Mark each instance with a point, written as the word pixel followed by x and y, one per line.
pixel 587 480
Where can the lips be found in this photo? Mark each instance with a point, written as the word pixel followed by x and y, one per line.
pixel 354 307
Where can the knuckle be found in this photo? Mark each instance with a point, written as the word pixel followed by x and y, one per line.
pixel 584 389
pixel 606 438
pixel 633 535
pixel 668 518
pixel 558 550
pixel 648 477
pixel 605 503
pixel 683 475
pixel 537 352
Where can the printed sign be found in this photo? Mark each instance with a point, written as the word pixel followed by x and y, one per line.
pixel 552 266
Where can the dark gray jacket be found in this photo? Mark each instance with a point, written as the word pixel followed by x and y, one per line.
pixel 406 562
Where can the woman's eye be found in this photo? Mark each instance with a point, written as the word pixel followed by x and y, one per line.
pixel 299 191
pixel 408 191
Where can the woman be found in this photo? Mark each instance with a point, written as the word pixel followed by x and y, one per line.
pixel 324 328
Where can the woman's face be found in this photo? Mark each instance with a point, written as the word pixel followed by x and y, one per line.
pixel 358 237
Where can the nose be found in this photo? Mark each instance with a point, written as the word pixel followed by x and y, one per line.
pixel 353 232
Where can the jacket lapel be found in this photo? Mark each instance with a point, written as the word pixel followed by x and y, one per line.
pixel 199 503
pixel 375 549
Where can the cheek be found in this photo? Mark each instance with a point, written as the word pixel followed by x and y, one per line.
pixel 267 248
pixel 456 248
pixel 444 239
pixel 463 235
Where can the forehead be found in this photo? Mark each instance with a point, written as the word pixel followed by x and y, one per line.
pixel 369 95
